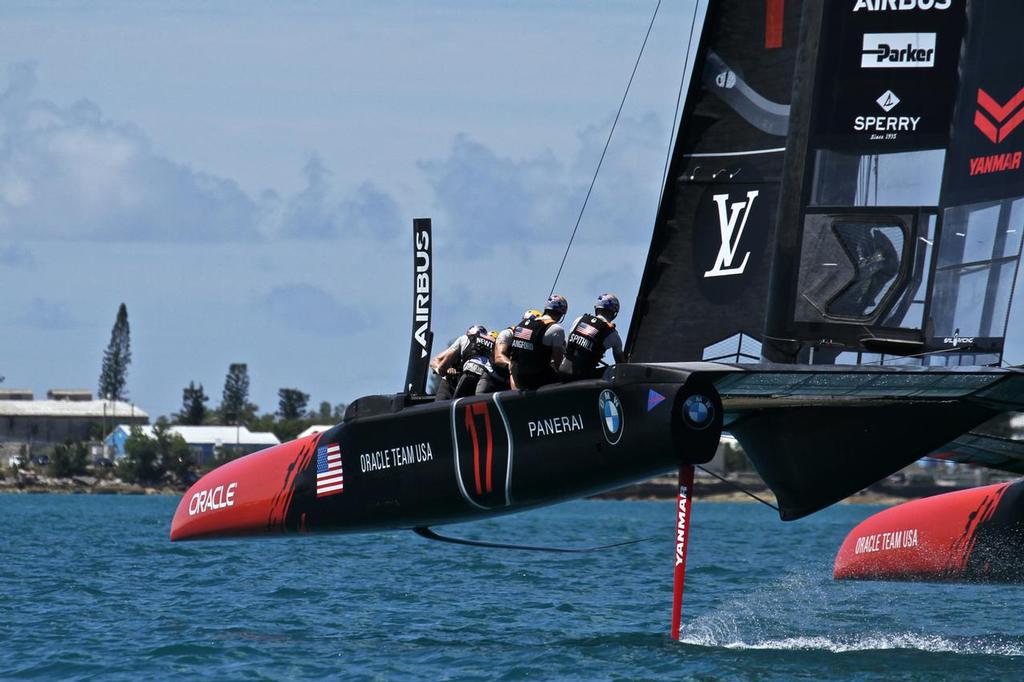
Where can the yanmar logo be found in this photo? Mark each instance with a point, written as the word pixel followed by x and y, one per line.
pixel 898 51
pixel 900 5
pixel 996 122
pixel 1003 121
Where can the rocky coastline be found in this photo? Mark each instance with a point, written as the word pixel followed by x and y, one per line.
pixel 706 489
pixel 31 483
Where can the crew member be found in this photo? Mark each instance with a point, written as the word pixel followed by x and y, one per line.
pixel 538 346
pixel 478 356
pixel 499 379
pixel 589 337
pixel 449 362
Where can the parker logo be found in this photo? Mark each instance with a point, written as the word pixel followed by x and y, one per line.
pixel 1003 119
pixel 732 220
pixel 898 51
pixel 900 5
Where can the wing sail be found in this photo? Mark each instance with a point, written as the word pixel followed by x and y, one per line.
pixel 707 268
pixel 903 195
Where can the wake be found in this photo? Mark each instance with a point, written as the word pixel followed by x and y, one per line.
pixel 872 642
pixel 804 600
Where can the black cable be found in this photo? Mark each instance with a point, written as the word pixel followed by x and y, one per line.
pixel 605 150
pixel 430 534
pixel 679 99
pixel 737 486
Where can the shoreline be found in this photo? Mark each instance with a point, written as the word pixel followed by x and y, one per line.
pixel 83 485
pixel 659 488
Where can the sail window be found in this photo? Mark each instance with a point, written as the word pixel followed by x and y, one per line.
pixel 908 312
pixel 978 258
pixel 875 253
pixel 900 179
pixel 850 266
pixel 972 301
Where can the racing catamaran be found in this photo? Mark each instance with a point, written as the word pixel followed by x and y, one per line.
pixel 830 279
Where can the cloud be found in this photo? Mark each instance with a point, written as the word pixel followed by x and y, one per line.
pixel 16 256
pixel 316 212
pixel 495 199
pixel 68 172
pixel 47 315
pixel 304 307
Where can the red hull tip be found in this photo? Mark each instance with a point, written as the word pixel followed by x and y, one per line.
pixel 246 496
pixel 974 535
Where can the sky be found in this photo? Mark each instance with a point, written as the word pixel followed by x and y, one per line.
pixel 243 176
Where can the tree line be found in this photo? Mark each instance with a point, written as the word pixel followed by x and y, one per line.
pixel 151 459
pixel 292 416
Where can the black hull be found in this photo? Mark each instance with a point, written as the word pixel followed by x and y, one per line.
pixel 461 460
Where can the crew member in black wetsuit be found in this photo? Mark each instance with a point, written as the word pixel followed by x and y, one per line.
pixel 499 379
pixel 589 337
pixel 477 363
pixel 448 364
pixel 538 346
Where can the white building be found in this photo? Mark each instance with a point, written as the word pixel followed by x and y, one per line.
pixel 205 441
pixel 73 415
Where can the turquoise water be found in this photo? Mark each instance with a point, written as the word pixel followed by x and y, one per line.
pixel 90 587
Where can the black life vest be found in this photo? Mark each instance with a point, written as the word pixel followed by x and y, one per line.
pixel 585 344
pixel 481 345
pixel 526 349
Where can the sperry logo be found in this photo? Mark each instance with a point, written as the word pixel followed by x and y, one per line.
pixel 888 126
pixel 898 51
pixel 732 220
pixel 888 101
pixel 1004 120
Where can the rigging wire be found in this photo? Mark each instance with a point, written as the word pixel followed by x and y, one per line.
pixel 737 486
pixel 605 150
pixel 679 98
pixel 431 534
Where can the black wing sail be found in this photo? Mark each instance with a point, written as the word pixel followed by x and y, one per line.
pixel 903 202
pixel 703 290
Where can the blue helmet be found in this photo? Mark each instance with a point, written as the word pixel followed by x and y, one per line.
pixel 609 302
pixel 557 304
pixel 477 330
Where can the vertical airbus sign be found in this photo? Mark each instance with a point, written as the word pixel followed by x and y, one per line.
pixel 422 337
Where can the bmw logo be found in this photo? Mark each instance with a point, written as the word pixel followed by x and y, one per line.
pixel 610 410
pixel 698 411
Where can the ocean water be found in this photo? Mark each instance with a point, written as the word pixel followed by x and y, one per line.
pixel 90 587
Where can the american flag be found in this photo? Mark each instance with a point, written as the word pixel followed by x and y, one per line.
pixel 586 329
pixel 523 333
pixel 329 477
